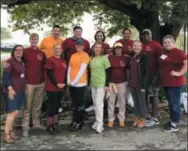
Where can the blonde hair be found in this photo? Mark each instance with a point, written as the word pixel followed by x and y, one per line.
pixel 56 45
pixel 98 43
pixel 169 37
pixel 137 41
pixel 33 35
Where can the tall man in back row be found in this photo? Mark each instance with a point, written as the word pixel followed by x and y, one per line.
pixel 153 49
pixel 69 45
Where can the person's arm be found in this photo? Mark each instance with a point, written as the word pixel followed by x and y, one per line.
pixel 182 71
pixel 108 73
pixel 64 48
pixel 51 77
pixel 80 73
pixel 6 79
pixel 146 72
pixel 68 74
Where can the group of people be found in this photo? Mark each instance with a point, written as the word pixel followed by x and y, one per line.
pixel 133 68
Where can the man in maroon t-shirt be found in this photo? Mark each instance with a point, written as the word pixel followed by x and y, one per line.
pixel 153 49
pixel 34 60
pixel 68 46
pixel 126 41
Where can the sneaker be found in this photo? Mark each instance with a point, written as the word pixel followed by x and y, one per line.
pixel 51 129
pixel 110 124
pixel 168 127
pixel 25 133
pixel 94 126
pixel 152 122
pixel 89 109
pixel 121 124
pixel 99 129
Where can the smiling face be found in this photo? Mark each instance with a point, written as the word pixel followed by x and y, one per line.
pixel 137 47
pixel 168 43
pixel 126 35
pixel 18 53
pixel 77 33
pixel 57 50
pixel 34 40
pixel 79 47
pixel 56 32
pixel 98 49
pixel 99 37
pixel 118 51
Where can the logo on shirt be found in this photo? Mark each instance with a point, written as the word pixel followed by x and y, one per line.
pixel 138 60
pixel 129 48
pixel 64 65
pixel 148 48
pixel 39 57
pixel 122 63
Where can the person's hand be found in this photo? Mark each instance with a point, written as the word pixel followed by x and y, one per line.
pixel 143 90
pixel 5 64
pixel 11 93
pixel 174 73
pixel 60 85
pixel 106 89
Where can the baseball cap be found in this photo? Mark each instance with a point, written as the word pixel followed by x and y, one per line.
pixel 118 44
pixel 147 31
pixel 80 41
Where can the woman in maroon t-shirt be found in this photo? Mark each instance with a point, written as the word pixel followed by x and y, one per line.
pixel 14 86
pixel 118 84
pixel 173 66
pixel 55 75
pixel 100 37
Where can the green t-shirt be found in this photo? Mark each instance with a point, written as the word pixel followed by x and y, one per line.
pixel 98 74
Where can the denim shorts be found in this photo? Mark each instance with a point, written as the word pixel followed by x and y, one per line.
pixel 16 104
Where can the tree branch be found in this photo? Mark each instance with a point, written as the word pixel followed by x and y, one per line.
pixel 130 10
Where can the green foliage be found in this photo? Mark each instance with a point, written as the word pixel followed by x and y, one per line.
pixel 68 13
pixel 5 34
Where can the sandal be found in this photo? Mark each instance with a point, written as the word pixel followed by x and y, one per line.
pixel 8 139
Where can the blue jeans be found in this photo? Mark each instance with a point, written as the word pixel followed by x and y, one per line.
pixel 173 95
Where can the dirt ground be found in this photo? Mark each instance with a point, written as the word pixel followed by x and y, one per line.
pixel 127 138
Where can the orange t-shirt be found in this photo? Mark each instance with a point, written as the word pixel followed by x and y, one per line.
pixel 76 60
pixel 47 45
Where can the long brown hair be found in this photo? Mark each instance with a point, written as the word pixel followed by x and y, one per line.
pixel 97 43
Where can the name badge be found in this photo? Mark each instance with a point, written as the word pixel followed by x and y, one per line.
pixel 163 57
pixel 22 75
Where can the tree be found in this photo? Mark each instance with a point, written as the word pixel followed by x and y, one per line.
pixel 162 17
pixel 5 34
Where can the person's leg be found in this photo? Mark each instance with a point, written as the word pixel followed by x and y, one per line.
pixel 57 105
pixel 93 93
pixel 121 92
pixel 100 109
pixel 37 103
pixel 89 102
pixel 74 107
pixel 29 92
pixel 136 106
pixel 111 107
pixel 142 107
pixel 174 96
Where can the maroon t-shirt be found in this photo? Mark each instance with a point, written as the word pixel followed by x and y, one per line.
pixel 69 47
pixel 118 69
pixel 174 61
pixel 127 46
pixel 34 61
pixel 17 72
pixel 134 77
pixel 153 49
pixel 59 68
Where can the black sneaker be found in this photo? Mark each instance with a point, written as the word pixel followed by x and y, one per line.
pixel 56 127
pixel 51 130
pixel 168 127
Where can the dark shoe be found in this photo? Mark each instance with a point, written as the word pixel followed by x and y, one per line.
pixel 168 127
pixel 76 127
pixel 51 129
pixel 56 126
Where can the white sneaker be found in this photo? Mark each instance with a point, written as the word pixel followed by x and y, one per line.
pixel 94 126
pixel 91 108
pixel 25 133
pixel 99 129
